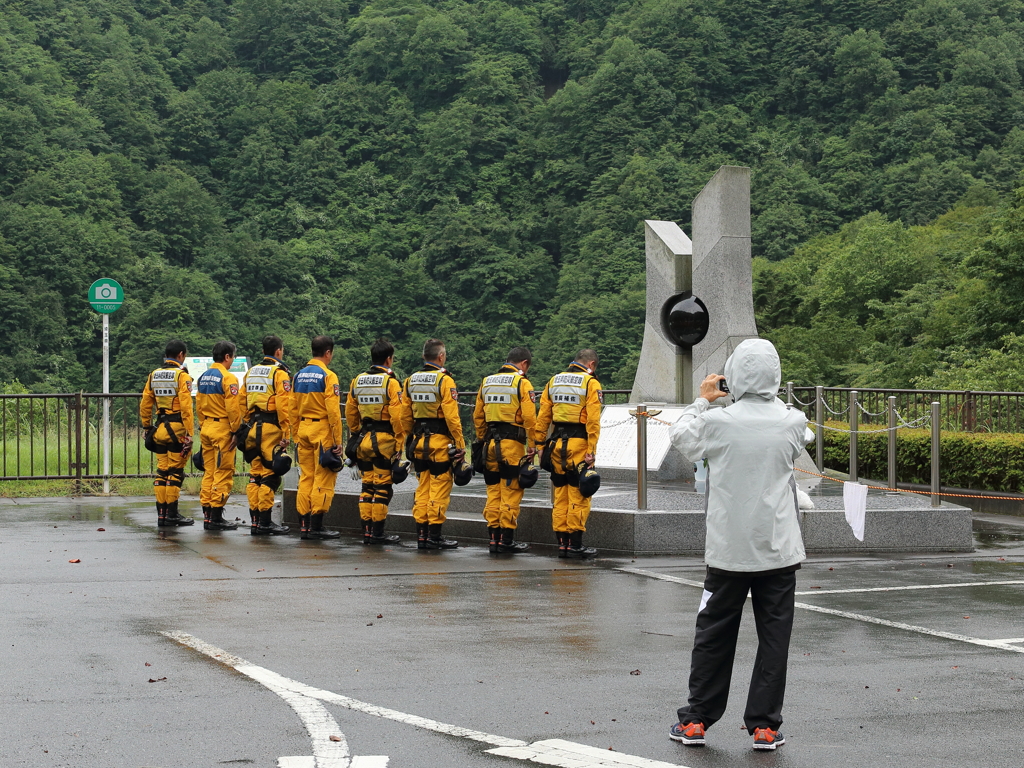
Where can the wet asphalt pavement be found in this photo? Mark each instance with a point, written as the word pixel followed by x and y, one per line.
pixel 526 647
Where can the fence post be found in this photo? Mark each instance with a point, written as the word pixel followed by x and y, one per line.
pixel 970 420
pixel 936 498
pixel 819 433
pixel 892 441
pixel 641 456
pixel 78 443
pixel 854 426
pixel 789 393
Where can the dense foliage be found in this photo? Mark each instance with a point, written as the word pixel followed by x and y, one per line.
pixel 977 460
pixel 480 171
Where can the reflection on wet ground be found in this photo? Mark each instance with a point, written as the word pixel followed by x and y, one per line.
pixel 998 532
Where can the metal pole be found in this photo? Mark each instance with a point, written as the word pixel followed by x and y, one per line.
pixel 892 441
pixel 78 443
pixel 854 425
pixel 789 393
pixel 641 456
pixel 936 499
pixel 106 404
pixel 819 433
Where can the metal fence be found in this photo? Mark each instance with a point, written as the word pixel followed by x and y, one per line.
pixel 60 437
pixel 959 410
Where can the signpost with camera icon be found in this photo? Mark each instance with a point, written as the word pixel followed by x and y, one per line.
pixel 106 296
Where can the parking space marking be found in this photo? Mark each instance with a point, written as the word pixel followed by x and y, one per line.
pixel 1000 644
pixel 1003 645
pixel 908 588
pixel 692 583
pixel 662 576
pixel 556 752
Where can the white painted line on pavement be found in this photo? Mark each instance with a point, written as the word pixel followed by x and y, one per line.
pixel 328 752
pixel 554 752
pixel 912 628
pixel 662 576
pixel 568 754
pixel 692 583
pixel 1003 645
pixel 1011 640
pixel 909 588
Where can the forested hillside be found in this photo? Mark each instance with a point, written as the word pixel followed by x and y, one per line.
pixel 479 171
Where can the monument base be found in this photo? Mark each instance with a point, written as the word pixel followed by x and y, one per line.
pixel 674 525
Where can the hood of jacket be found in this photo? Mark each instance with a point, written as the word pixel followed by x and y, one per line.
pixel 754 369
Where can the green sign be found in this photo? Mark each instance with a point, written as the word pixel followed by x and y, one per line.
pixel 106 295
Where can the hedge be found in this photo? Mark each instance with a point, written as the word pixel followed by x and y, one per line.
pixel 976 460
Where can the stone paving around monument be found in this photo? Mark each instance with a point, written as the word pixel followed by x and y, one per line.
pixel 426 658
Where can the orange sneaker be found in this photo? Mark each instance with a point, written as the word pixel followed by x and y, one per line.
pixel 691 734
pixel 766 738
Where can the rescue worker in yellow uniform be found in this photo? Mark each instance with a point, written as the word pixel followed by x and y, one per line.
pixel 268 388
pixel 168 390
pixel 571 407
pixel 316 407
pixel 220 415
pixel 430 412
pixel 505 420
pixel 373 410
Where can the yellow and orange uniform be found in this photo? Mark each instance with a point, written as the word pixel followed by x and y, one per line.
pixel 316 412
pixel 168 392
pixel 430 412
pixel 268 388
pixel 570 407
pixel 505 421
pixel 373 410
pixel 220 415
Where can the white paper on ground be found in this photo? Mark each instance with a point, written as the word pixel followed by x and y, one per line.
pixel 855 500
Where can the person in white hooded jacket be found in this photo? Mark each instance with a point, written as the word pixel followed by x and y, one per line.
pixel 753 539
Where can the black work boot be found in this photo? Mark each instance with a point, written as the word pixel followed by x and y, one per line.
pixel 207 517
pixel 216 521
pixel 377 535
pixel 161 514
pixel 576 548
pixel 174 518
pixel 421 535
pixel 563 542
pixel 267 526
pixel 435 540
pixel 367 532
pixel 495 539
pixel 508 543
pixel 254 522
pixel 317 530
pixel 303 525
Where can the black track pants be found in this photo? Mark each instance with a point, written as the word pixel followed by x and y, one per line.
pixel 714 647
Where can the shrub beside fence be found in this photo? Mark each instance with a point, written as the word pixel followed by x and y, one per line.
pixel 975 460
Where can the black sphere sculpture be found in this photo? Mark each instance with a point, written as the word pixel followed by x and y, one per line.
pixel 685 320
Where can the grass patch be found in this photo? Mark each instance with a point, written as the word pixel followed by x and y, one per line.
pixel 132 486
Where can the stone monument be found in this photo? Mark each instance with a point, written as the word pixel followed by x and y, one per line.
pixel 714 271
pixel 699 307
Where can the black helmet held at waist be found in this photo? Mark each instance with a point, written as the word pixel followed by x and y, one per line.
pixel 528 473
pixel 463 473
pixel 282 462
pixel 328 460
pixel 399 471
pixel 590 481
